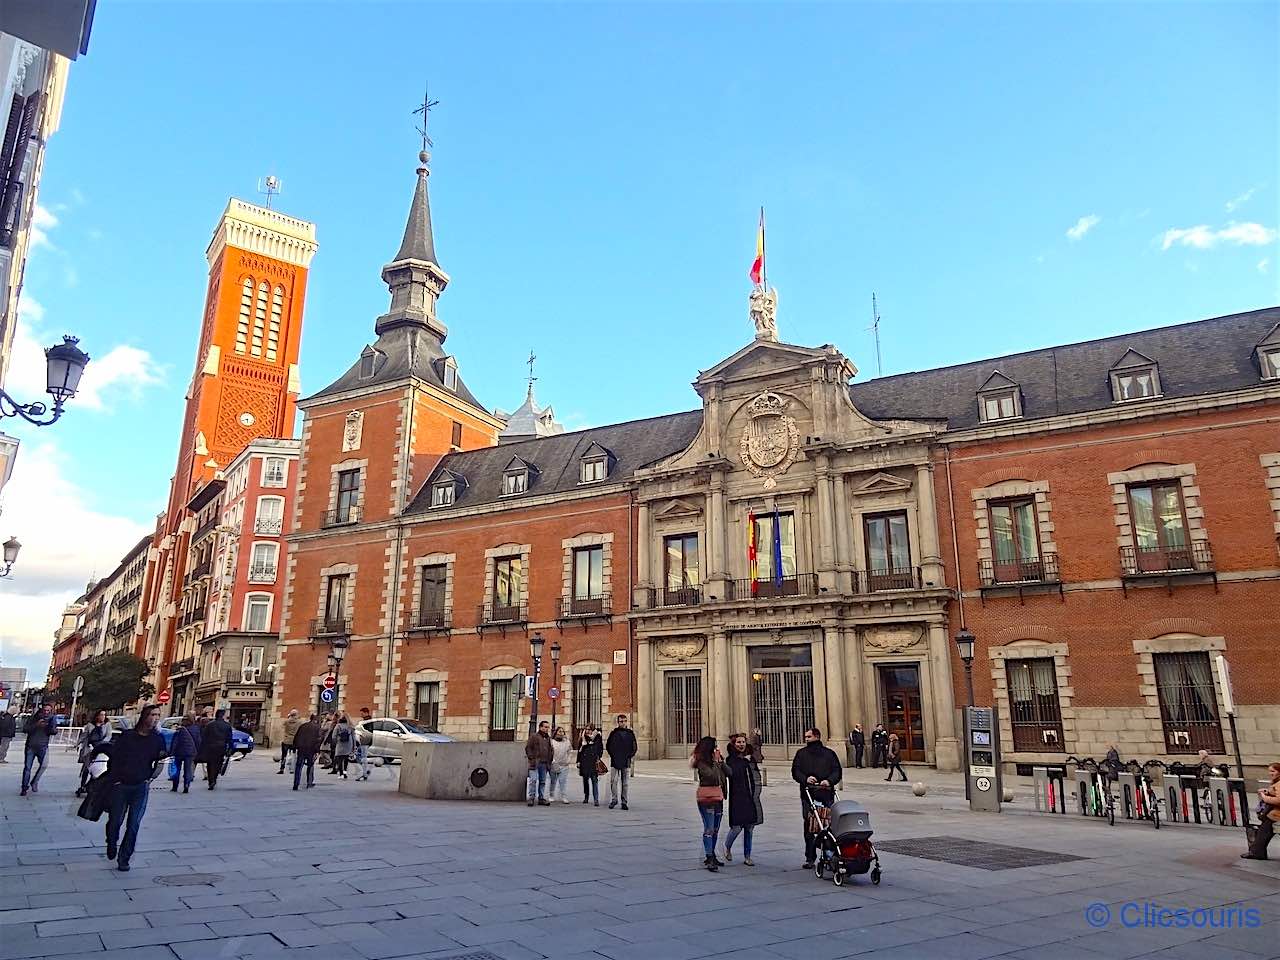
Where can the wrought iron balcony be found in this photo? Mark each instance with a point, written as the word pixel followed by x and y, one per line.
pixel 798 585
pixel 205 528
pixel 241 678
pixel 268 526
pixel 500 614
pixel 343 517
pixel 881 581
pixel 202 570
pixel 586 608
pixel 1012 573
pixel 179 667
pixel 675 596
pixel 1192 558
pixel 262 573
pixel 327 628
pixel 429 620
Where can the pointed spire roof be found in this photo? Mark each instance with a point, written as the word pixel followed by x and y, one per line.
pixel 530 421
pixel 413 277
pixel 419 242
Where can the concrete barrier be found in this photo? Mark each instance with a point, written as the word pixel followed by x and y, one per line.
pixel 464 771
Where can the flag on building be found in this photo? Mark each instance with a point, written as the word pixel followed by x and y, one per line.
pixel 777 547
pixel 757 265
pixel 752 566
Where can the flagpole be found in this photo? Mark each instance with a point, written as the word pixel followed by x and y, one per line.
pixel 764 270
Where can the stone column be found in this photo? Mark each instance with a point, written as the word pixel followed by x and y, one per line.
pixel 856 672
pixel 646 722
pixel 837 722
pixel 716 527
pixel 930 553
pixel 644 537
pixel 946 743
pixel 844 540
pixel 826 528
pixel 719 682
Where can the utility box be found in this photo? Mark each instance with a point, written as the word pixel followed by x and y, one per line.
pixel 982 759
pixel 464 771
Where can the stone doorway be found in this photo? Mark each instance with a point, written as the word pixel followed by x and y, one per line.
pixel 782 697
pixel 684 712
pixel 901 708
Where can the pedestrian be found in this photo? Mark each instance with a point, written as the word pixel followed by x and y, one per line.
pixel 133 761
pixel 8 730
pixel 41 727
pixel 95 732
pixel 746 812
pixel 185 749
pixel 365 715
pixel 879 746
pixel 291 725
pixel 561 760
pixel 756 740
pixel 326 740
pixel 590 760
pixel 708 764
pixel 621 747
pixel 361 754
pixel 215 746
pixel 344 736
pixel 817 769
pixel 895 758
pixel 538 751
pixel 306 744
pixel 1268 813
pixel 857 740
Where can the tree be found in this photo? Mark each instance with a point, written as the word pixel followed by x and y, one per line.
pixel 109 683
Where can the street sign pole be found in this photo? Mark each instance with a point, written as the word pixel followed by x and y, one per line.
pixel 1229 702
pixel 75 696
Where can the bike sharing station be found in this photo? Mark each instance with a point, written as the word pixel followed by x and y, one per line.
pixel 1154 791
pixel 983 784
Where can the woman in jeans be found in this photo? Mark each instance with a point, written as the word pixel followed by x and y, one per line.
pixel 344 744
pixel 708 763
pixel 590 752
pixel 745 809
pixel 99 731
pixel 561 761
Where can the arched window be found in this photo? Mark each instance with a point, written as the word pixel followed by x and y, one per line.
pixel 259 319
pixel 246 308
pixel 273 330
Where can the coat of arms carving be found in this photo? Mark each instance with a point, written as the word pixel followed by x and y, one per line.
pixel 771 439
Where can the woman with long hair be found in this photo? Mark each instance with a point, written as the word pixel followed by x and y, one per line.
pixel 344 744
pixel 708 763
pixel 746 811
pixel 590 752
pixel 95 732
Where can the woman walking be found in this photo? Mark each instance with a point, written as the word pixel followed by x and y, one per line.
pixel 745 809
pixel 361 755
pixel 708 763
pixel 344 736
pixel 590 758
pixel 96 732
pixel 185 749
pixel 561 761
pixel 895 757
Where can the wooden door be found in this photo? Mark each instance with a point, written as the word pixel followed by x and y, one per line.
pixel 902 709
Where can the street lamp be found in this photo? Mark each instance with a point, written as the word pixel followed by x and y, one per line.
pixel 64 363
pixel 555 680
pixel 536 644
pixel 964 645
pixel 11 548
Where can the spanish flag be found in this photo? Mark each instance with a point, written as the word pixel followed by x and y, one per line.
pixel 757 265
pixel 752 564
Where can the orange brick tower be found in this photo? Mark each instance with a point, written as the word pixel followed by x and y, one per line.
pixel 245 384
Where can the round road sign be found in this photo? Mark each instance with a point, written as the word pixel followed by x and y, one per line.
pixel 327 696
pixel 330 682
pixel 982 783
pixel 164 696
pixel 553 692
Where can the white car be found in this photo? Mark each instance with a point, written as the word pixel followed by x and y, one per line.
pixel 386 736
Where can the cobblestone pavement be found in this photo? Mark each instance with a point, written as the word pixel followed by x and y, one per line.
pixel 354 869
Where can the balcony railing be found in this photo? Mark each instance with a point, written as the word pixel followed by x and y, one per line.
pixel 262 573
pixel 182 666
pixel 10 210
pixel 597 606
pixel 430 619
pixel 242 677
pixel 1192 558
pixel 798 585
pixel 879 581
pixel 675 596
pixel 500 613
pixel 268 526
pixel 204 528
pixel 1000 573
pixel 327 627
pixel 202 570
pixel 342 518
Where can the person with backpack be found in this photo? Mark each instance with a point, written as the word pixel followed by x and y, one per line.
pixel 344 744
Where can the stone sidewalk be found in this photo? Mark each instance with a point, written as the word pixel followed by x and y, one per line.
pixel 354 869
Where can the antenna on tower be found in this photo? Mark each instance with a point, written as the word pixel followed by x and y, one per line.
pixel 875 329
pixel 269 186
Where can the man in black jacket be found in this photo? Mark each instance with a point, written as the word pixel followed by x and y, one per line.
pixel 133 760
pixel 8 730
pixel 817 769
pixel 621 747
pixel 879 746
pixel 857 740
pixel 215 745
pixel 306 741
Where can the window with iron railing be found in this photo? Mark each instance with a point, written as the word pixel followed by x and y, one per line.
pixel 681 570
pixel 1159 520
pixel 432 583
pixel 1035 713
pixel 1015 541
pixel 888 552
pixel 1188 702
pixel 588 580
pixel 508 588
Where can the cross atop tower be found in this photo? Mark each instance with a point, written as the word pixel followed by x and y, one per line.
pixel 532 378
pixel 425 110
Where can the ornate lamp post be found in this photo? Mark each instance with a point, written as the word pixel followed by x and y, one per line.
pixel 964 645
pixel 337 653
pixel 536 643
pixel 555 680
pixel 65 362
pixel 11 548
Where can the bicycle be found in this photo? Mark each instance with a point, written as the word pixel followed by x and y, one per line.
pixel 1100 802
pixel 1147 801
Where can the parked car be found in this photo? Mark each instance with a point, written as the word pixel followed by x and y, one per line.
pixel 386 736
pixel 241 742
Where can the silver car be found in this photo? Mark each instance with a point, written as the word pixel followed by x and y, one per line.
pixel 386 736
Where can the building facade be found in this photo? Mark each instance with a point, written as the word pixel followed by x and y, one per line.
pixel 123 627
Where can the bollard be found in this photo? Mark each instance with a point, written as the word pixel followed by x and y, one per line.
pixel 1188 799
pixel 1084 792
pixel 1040 788
pixel 1057 790
pixel 1225 803
pixel 1127 784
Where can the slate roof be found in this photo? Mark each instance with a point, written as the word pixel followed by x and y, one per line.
pixel 419 241
pixel 634 444
pixel 1194 359
pixel 403 351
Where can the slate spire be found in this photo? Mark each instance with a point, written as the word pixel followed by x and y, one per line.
pixel 413 276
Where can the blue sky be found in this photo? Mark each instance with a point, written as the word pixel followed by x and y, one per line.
pixel 1002 176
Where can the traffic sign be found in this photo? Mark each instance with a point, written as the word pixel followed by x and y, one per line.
pixel 78 686
pixel 164 697
pixel 330 682
pixel 327 696
pixel 982 783
pixel 553 692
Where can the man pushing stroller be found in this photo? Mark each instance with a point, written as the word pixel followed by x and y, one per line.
pixel 817 770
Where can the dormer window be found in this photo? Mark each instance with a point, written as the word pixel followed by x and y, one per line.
pixel 368 360
pixel 450 374
pixel 1268 353
pixel 1135 377
pixel 442 494
pixel 999 399
pixel 596 464
pixel 515 481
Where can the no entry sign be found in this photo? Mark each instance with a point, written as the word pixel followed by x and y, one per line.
pixel 164 697
pixel 330 682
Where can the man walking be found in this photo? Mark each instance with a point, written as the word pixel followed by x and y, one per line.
pixel 857 740
pixel 291 725
pixel 40 729
pixel 8 730
pixel 538 751
pixel 306 744
pixel 215 746
pixel 879 746
pixel 817 769
pixel 621 747
pixel 133 761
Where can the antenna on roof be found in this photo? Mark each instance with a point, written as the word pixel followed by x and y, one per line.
pixel 269 185
pixel 875 329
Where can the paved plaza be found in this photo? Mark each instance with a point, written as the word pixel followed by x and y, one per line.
pixel 354 870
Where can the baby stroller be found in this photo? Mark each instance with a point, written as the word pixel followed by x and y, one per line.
pixel 844 840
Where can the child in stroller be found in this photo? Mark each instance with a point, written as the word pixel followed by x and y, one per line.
pixel 844 840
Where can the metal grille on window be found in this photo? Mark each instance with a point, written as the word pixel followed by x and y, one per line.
pixel 428 706
pixel 588 704
pixel 684 708
pixel 1035 713
pixel 273 331
pixel 1188 702
pixel 246 309
pixel 259 320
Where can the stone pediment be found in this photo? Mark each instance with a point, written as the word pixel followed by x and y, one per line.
pixel 680 507
pixel 1132 358
pixel 764 358
pixel 881 483
pixel 997 381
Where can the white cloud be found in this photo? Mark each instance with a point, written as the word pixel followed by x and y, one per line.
pixel 42 221
pixel 123 367
pixel 1264 264
pixel 64 542
pixel 1203 237
pixel 1240 200
pixel 1083 226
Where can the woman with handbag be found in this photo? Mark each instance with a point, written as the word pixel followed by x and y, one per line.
pixel 746 812
pixel 591 762
pixel 344 735
pixel 713 774
pixel 1268 814
pixel 99 731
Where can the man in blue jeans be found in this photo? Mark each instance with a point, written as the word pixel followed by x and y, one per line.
pixel 538 752
pixel 306 743
pixel 40 728
pixel 133 760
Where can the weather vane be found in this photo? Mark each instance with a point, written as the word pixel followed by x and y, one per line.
pixel 532 357
pixel 425 109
